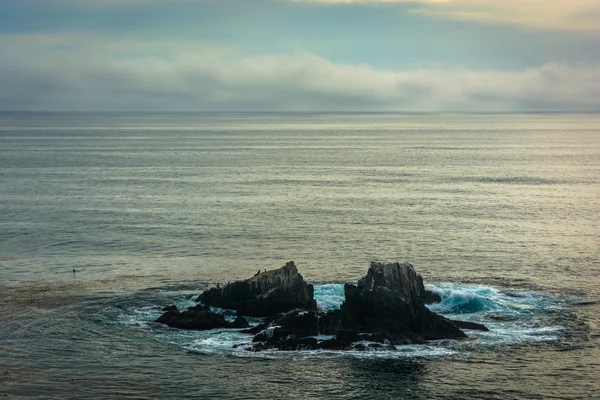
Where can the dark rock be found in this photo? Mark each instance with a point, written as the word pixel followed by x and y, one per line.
pixel 240 323
pixel 193 319
pixel 469 325
pixel 501 317
pixel 166 317
pixel 308 343
pixel 255 329
pixel 374 337
pixel 389 300
pixel 170 308
pixel 360 347
pixel 273 334
pixel 199 307
pixel 289 344
pixel 345 336
pixel 329 323
pixel 430 297
pixel 295 323
pixel 265 294
pixel 301 322
pixel 334 344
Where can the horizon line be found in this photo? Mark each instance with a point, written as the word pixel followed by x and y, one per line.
pixel 290 112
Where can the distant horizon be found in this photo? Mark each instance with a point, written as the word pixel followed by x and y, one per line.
pixel 293 112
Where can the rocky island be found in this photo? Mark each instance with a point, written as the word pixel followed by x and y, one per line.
pixel 384 309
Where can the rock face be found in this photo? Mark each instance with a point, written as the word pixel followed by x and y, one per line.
pixel 265 294
pixel 389 301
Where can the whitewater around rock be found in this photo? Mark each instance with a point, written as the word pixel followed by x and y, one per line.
pixel 384 309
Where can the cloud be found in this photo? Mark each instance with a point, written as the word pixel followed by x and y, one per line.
pixel 82 74
pixel 575 15
pixel 579 15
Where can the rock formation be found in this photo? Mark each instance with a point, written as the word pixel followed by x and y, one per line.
pixel 265 294
pixel 389 301
pixel 386 308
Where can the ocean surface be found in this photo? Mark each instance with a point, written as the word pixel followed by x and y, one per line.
pixel 499 213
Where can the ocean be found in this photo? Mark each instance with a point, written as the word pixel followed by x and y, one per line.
pixel 105 218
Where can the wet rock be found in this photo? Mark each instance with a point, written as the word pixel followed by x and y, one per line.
pixel 167 316
pixel 301 322
pixel 329 323
pixel 469 325
pixel 273 334
pixel 360 347
pixel 255 329
pixel 264 294
pixel 170 308
pixel 379 346
pixel 308 343
pixel 296 323
pixel 430 297
pixel 389 300
pixel 501 317
pixel 334 344
pixel 240 323
pixel 347 336
pixel 193 319
pixel 289 344
pixel 374 337
pixel 199 307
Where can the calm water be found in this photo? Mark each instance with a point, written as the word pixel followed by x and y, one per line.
pixel 499 213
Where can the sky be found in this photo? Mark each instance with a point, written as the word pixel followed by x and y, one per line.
pixel 300 55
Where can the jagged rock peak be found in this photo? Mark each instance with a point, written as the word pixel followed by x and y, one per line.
pixel 390 300
pixel 286 276
pixel 265 294
pixel 395 276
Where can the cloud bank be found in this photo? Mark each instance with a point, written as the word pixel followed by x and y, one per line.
pixel 579 15
pixel 57 76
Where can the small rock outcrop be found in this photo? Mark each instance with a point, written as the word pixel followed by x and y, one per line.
pixel 265 294
pixel 474 326
pixel 389 301
pixel 194 318
pixel 241 323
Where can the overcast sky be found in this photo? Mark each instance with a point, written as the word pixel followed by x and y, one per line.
pixel 305 55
